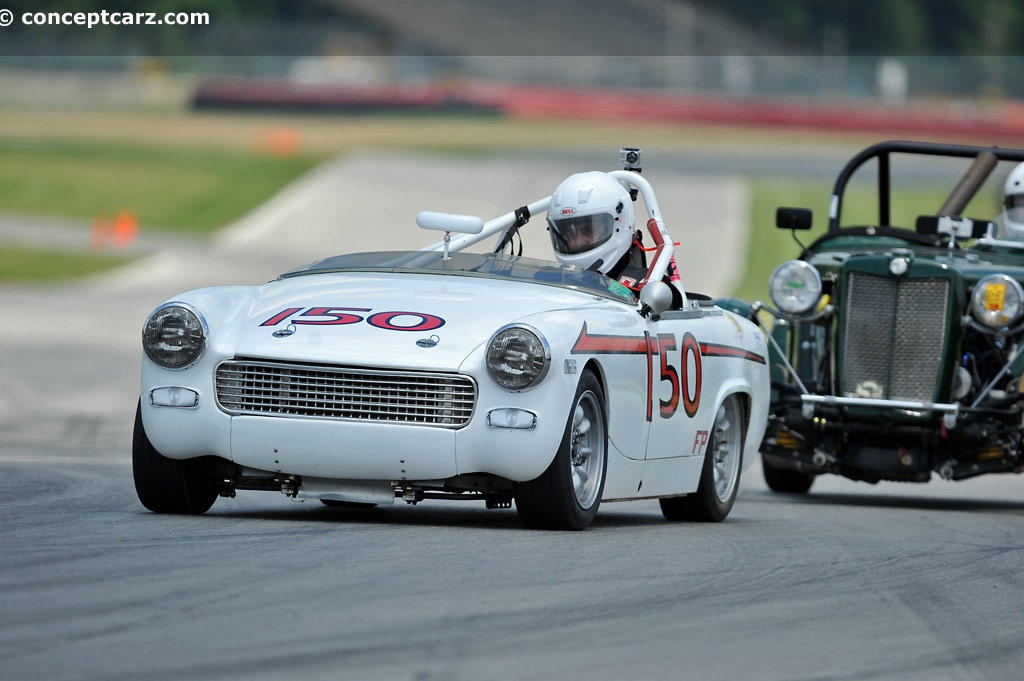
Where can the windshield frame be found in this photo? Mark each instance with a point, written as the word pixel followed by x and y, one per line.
pixel 495 266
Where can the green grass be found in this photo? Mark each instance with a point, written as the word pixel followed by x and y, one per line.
pixel 186 190
pixel 194 186
pixel 29 265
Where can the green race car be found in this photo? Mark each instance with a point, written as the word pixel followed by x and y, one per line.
pixel 897 340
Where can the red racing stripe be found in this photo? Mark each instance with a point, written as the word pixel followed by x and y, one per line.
pixel 601 344
pixel 716 350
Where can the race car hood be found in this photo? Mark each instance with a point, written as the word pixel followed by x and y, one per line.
pixel 972 263
pixel 418 321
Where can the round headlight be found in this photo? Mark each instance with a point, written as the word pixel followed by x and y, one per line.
pixel 517 357
pixel 997 301
pixel 174 335
pixel 795 286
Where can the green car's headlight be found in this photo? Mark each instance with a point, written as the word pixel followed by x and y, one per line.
pixel 997 301
pixel 174 335
pixel 518 357
pixel 795 286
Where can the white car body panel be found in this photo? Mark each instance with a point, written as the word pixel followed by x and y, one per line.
pixel 663 378
pixel 370 451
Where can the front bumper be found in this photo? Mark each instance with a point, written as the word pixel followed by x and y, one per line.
pixel 362 450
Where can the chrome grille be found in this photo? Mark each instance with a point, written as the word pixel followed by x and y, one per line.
pixel 333 392
pixel 894 335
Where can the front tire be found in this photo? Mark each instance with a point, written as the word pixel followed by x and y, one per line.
pixel 720 475
pixel 567 495
pixel 167 485
pixel 785 480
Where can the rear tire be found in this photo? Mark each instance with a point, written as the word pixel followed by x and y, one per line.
pixel 567 495
pixel 167 485
pixel 786 480
pixel 720 475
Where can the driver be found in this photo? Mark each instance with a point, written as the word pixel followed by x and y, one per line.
pixel 1012 222
pixel 593 225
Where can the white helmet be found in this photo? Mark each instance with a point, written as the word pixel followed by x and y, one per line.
pixel 591 218
pixel 1013 204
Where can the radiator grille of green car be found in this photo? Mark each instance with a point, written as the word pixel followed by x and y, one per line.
pixel 893 337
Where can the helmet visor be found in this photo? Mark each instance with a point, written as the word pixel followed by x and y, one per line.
pixel 1014 207
pixel 580 233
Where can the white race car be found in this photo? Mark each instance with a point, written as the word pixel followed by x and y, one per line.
pixel 447 374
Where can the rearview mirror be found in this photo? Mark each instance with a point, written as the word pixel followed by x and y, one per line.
pixel 793 218
pixel 449 222
pixel 655 297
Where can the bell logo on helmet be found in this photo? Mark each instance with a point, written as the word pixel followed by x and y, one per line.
pixel 568 211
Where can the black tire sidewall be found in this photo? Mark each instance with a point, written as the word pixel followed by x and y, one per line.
pixel 785 481
pixel 704 504
pixel 549 501
pixel 166 485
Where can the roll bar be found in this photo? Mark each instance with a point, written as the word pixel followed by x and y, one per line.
pixel 985 160
pixel 629 179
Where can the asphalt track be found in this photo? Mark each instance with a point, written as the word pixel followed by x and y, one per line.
pixel 852 582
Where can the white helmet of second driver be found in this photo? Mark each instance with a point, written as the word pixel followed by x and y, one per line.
pixel 1013 204
pixel 591 218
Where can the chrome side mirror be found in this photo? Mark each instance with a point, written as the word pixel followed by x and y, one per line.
pixel 655 298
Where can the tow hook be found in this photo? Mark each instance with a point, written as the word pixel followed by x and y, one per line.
pixel 410 495
pixel 290 486
pixel 499 501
